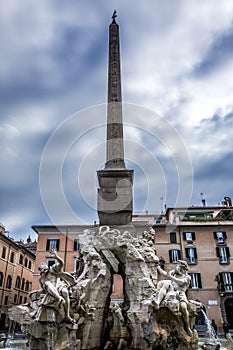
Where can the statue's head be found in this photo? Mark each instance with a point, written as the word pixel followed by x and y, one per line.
pixel 43 267
pixel 182 266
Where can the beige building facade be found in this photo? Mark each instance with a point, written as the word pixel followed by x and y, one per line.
pixel 16 274
pixel 203 236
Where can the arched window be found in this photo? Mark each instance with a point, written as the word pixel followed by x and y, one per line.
pixel 1 279
pixel 21 259
pixel 12 257
pixel 8 282
pixel 3 252
pixel 23 283
pixel 26 262
pixel 27 286
pixel 17 282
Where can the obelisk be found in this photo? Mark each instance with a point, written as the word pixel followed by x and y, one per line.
pixel 115 181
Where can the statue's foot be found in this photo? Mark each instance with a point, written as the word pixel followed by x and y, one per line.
pixel 156 305
pixel 190 333
pixel 33 314
pixel 61 301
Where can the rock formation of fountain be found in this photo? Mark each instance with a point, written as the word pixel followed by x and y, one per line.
pixel 75 312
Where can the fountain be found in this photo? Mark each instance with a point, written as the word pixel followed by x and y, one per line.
pixel 213 343
pixel 75 311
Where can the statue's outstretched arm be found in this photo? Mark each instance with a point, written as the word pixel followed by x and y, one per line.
pixel 161 271
pixel 178 280
pixel 60 261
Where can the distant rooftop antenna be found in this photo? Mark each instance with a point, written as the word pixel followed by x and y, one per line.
pixel 202 199
pixel 161 209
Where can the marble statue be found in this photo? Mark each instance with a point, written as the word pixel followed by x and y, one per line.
pixel 177 284
pixel 75 311
pixel 55 284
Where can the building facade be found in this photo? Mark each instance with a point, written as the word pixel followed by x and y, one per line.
pixel 203 236
pixel 16 274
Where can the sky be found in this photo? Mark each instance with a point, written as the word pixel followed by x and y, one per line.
pixel 177 83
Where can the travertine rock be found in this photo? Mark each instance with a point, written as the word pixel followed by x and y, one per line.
pixel 74 312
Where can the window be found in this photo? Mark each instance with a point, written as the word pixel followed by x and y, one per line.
pixel 52 244
pixel 21 259
pixel 23 283
pixel 173 237
pixel 195 280
pixel 191 255
pixel 1 279
pixel 12 257
pixel 6 300
pixel 26 262
pixel 30 264
pixel 223 253
pixel 76 263
pixel 15 298
pixel 76 245
pixel 174 255
pixel 25 300
pixel 3 252
pixel 189 236
pixel 8 282
pixel 220 237
pixel 51 262
pixel 20 299
pixel 17 282
pixel 226 279
pixel 27 286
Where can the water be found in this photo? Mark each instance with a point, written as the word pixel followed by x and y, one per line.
pixel 210 330
pixel 16 347
pixel 229 336
pixel 12 344
pixel 51 329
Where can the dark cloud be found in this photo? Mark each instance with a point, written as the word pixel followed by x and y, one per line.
pixel 218 53
pixel 212 178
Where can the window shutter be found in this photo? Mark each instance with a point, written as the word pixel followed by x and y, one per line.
pixel 187 253
pixel 215 235
pixel 228 252
pixel 172 237
pixel 224 235
pixel 221 277
pixel 195 252
pixel 170 256
pixel 199 280
pixel 75 245
pixel 57 244
pixel 184 236
pixel 193 236
pixel 1 278
pixel 179 257
pixel 217 252
pixel 231 276
pixel 47 244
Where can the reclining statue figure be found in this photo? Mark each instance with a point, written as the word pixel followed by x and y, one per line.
pixel 55 284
